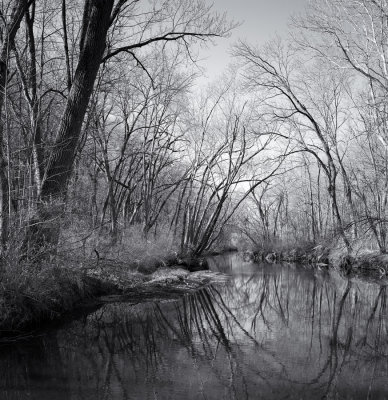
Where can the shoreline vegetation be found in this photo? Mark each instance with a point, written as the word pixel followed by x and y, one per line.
pixel 364 262
pixel 33 300
pixel 115 158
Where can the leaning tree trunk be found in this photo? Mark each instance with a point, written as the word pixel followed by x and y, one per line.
pixel 44 229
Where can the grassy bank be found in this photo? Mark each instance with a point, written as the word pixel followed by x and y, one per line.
pixel 362 260
pixel 29 297
pixel 31 300
pixel 34 294
pixel 306 252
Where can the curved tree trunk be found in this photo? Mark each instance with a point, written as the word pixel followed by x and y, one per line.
pixel 44 229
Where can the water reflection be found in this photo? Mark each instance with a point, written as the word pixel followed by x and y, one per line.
pixel 272 332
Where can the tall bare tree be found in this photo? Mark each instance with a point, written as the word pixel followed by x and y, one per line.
pixel 274 70
pixel 105 28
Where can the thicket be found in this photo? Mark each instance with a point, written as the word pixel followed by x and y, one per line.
pixel 109 151
pixel 324 94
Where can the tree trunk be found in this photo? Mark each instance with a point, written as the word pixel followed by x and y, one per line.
pixel 336 214
pixel 45 229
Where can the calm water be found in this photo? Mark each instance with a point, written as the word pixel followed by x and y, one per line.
pixel 272 332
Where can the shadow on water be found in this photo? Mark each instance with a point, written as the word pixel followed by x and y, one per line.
pixel 274 331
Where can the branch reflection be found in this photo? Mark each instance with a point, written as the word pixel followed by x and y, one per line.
pixel 284 331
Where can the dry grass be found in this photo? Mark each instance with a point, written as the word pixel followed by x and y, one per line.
pixel 32 293
pixel 29 295
pixel 130 248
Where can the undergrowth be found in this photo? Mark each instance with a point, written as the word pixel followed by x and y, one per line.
pixel 34 292
pixel 29 295
pixel 130 246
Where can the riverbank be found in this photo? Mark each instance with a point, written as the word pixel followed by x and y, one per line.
pixel 31 298
pixel 259 333
pixel 363 262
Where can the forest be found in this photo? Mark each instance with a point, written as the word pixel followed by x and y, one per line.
pixel 113 153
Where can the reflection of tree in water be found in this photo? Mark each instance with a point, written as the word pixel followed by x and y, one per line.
pixel 25 366
pixel 347 324
pixel 281 330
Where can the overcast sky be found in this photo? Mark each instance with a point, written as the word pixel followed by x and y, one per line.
pixel 261 20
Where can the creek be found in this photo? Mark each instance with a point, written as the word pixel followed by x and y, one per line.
pixel 272 332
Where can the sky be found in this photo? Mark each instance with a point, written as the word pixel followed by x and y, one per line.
pixel 261 20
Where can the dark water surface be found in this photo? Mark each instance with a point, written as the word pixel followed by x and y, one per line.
pixel 272 332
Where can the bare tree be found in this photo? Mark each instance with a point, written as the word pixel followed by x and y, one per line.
pixel 104 30
pixel 293 102
pixel 226 166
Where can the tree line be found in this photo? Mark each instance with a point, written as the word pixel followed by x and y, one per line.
pixel 325 94
pixel 103 126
